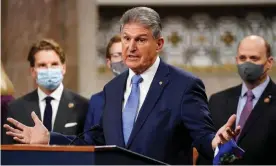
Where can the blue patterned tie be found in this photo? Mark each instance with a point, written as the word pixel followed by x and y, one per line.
pixel 47 119
pixel 130 110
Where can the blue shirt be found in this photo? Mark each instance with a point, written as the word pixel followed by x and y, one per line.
pixel 257 91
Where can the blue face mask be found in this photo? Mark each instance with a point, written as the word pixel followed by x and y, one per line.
pixel 49 78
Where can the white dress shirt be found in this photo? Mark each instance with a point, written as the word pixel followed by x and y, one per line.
pixel 257 91
pixel 147 76
pixel 55 102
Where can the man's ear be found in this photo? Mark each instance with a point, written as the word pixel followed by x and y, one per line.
pixel 33 72
pixel 160 44
pixel 63 69
pixel 108 63
pixel 236 59
pixel 270 62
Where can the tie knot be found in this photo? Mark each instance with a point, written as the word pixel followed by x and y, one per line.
pixel 250 95
pixel 136 79
pixel 48 99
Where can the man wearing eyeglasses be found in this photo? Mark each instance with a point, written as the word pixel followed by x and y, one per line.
pixel 115 63
pixel 113 56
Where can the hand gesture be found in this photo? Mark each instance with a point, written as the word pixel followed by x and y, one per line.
pixel 28 135
pixel 225 133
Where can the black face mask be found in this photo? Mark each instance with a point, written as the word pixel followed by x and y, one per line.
pixel 250 72
pixel 118 67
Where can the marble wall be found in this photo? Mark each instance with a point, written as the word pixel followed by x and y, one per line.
pixel 201 39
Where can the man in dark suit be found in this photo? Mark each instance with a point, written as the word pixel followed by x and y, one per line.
pixel 60 109
pixel 153 108
pixel 96 104
pixel 115 63
pixel 254 103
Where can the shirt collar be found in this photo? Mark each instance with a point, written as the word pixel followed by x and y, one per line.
pixel 149 73
pixel 56 94
pixel 257 91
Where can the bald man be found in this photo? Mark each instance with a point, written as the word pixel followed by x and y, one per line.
pixel 253 101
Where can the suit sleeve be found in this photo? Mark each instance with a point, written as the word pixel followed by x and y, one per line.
pixel 61 139
pixel 94 138
pixel 8 139
pixel 197 119
pixel 5 100
pixel 90 137
pixel 89 121
pixel 211 103
pixel 84 105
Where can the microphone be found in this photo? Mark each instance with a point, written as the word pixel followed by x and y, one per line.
pixel 96 128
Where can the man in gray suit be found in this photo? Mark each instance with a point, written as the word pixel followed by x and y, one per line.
pixel 60 109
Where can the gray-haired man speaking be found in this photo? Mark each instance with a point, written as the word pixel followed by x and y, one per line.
pixel 153 109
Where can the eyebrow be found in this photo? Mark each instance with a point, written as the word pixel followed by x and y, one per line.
pixel 142 35
pixel 249 56
pixel 46 62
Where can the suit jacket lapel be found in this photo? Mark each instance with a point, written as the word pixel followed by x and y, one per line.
pixel 157 86
pixel 259 109
pixel 232 103
pixel 33 104
pixel 63 111
pixel 117 98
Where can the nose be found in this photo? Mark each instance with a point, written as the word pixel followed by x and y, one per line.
pixel 132 46
pixel 249 60
pixel 48 66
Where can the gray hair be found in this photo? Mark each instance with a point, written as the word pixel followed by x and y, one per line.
pixel 145 16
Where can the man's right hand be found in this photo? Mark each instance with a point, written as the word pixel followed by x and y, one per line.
pixel 28 135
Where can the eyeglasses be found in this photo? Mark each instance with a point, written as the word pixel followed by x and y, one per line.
pixel 116 54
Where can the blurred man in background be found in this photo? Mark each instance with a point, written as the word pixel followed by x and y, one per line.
pixel 254 103
pixel 113 56
pixel 115 63
pixel 59 109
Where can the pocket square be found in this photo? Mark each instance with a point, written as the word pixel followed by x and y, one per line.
pixel 70 124
pixel 228 153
